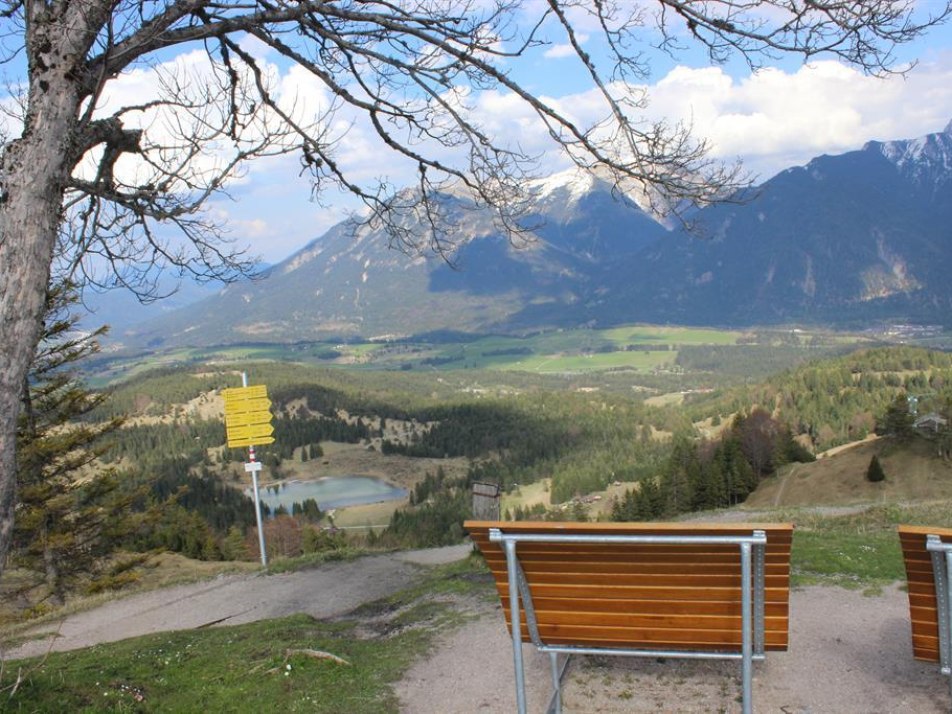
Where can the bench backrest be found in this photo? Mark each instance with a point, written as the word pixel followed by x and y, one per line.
pixel 646 596
pixel 922 593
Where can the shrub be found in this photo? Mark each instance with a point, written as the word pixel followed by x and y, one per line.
pixel 875 473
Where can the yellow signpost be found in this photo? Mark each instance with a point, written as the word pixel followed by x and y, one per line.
pixel 248 423
pixel 248 416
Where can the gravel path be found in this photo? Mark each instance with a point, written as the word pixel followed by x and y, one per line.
pixel 332 589
pixel 849 654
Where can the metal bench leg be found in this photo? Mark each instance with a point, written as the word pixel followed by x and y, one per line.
pixel 942 577
pixel 555 703
pixel 515 625
pixel 746 629
pixel 555 707
pixel 948 617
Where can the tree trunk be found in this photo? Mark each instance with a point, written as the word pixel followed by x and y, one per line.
pixel 34 172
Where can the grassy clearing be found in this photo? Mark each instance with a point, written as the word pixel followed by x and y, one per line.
pixel 264 666
pixel 557 363
pixel 858 549
pixel 527 495
pixel 648 334
pixel 366 515
pixel 558 351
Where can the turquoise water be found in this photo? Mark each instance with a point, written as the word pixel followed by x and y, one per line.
pixel 331 492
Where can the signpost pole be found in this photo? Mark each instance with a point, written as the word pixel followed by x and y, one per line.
pixel 254 467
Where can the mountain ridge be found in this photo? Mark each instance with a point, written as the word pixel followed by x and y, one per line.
pixel 841 241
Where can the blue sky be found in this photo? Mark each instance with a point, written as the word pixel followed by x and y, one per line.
pixel 781 116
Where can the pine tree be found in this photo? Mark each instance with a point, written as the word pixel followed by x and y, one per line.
pixel 71 514
pixel 898 422
pixel 875 473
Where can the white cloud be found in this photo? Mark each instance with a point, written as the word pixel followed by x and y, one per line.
pixel 561 50
pixel 774 119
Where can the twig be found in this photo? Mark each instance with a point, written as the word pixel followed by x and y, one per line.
pixel 315 654
pixel 16 684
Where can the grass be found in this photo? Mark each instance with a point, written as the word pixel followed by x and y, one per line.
pixel 557 351
pixel 857 550
pixel 528 494
pixel 240 669
pixel 913 473
pixel 263 666
pixel 558 363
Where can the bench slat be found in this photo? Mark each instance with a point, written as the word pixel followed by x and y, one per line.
pixel 673 581
pixel 642 619
pixel 645 638
pixel 703 608
pixel 921 589
pixel 671 562
pixel 635 592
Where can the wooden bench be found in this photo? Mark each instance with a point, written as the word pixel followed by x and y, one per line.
pixel 702 591
pixel 927 553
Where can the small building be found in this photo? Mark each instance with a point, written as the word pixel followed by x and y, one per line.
pixel 932 423
pixel 486 501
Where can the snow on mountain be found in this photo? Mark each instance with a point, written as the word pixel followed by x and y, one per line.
pixel 561 192
pixel 926 158
pixel 573 183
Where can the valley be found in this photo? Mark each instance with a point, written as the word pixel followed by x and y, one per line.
pixel 575 441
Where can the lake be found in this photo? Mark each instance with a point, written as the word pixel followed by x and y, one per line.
pixel 330 492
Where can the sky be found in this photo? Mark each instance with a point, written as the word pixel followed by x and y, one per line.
pixel 780 116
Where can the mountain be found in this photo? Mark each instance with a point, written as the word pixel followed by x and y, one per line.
pixel 844 241
pixel 349 282
pixel 122 311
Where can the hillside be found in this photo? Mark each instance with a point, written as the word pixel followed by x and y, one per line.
pixel 913 473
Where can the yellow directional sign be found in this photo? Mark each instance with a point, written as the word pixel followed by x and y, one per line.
pixel 244 406
pixel 238 443
pixel 234 395
pixel 248 416
pixel 252 431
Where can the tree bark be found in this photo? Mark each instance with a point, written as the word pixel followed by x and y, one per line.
pixel 34 172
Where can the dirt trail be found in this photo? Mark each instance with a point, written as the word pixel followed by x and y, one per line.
pixel 332 589
pixel 783 485
pixel 849 654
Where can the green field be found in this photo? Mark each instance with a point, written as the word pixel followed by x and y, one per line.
pixel 636 348
pixel 559 363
